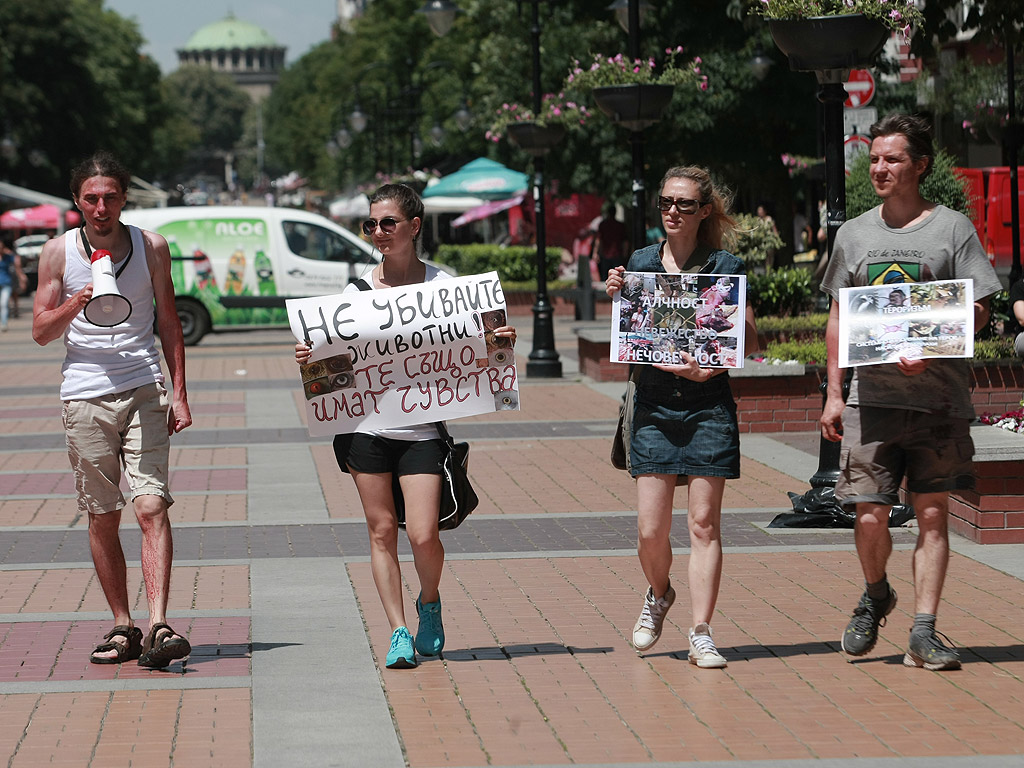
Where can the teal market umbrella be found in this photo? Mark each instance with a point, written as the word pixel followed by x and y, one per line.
pixel 481 178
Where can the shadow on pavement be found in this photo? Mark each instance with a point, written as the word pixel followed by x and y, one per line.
pixel 505 652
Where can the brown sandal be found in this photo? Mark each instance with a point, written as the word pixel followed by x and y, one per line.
pixel 128 652
pixel 157 654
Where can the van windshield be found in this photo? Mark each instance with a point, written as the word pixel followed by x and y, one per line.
pixel 317 243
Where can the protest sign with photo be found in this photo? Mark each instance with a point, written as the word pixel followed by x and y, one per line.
pixel 882 323
pixel 402 356
pixel 657 316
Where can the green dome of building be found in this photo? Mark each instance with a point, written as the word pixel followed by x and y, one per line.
pixel 227 34
pixel 252 58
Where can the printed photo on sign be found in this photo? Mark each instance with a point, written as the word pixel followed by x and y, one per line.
pixel 881 324
pixel 656 317
pixel 403 356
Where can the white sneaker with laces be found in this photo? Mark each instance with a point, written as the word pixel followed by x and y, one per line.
pixel 702 649
pixel 647 629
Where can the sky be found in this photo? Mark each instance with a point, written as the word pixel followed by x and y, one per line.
pixel 168 24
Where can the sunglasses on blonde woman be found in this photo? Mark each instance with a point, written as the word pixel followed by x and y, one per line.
pixel 682 204
pixel 388 225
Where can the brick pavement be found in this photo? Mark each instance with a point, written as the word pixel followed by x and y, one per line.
pixel 540 590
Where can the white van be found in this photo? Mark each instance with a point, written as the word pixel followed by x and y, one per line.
pixel 233 267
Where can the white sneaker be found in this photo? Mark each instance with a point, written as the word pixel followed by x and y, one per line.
pixel 647 629
pixel 702 649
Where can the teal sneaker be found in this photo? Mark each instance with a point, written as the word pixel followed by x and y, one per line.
pixel 430 636
pixel 401 655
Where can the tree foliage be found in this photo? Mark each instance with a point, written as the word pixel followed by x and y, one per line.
pixel 72 81
pixel 205 120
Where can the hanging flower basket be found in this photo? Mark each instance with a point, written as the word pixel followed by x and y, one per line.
pixel 634 106
pixel 829 42
pixel 534 138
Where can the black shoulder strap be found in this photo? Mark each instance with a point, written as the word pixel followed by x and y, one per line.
pixel 362 285
pixel 131 249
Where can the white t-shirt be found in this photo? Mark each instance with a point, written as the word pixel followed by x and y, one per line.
pixel 415 431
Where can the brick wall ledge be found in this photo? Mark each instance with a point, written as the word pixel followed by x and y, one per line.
pixel 992 513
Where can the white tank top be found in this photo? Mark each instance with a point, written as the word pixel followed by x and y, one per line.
pixel 101 361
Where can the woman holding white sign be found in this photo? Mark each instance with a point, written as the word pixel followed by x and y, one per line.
pixel 684 427
pixel 413 453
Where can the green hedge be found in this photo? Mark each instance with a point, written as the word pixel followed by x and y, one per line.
pixel 814 353
pixel 513 263
pixel 781 292
pixel 811 323
pixel 806 352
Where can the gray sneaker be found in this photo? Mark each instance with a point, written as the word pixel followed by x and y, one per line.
pixel 862 632
pixel 647 629
pixel 928 651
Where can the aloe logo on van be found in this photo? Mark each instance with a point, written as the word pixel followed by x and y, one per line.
pixel 240 228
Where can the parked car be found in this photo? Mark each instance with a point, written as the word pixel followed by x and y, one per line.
pixel 28 249
pixel 234 266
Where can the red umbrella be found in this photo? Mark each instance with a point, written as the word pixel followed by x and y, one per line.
pixel 39 217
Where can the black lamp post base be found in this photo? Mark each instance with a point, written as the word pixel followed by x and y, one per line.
pixel 543 362
pixel 544 369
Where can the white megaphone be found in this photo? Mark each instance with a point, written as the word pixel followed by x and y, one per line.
pixel 107 307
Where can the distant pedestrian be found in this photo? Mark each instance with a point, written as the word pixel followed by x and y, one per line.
pixel 12 280
pixel 116 410
pixel 909 420
pixel 684 423
pixel 610 242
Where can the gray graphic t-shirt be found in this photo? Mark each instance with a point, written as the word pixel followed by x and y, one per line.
pixel 944 246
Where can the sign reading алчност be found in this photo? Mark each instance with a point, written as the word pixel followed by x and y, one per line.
pixel 658 316
pixel 402 356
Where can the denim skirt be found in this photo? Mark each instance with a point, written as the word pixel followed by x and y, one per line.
pixel 682 427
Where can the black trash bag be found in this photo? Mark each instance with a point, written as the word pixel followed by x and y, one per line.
pixel 818 508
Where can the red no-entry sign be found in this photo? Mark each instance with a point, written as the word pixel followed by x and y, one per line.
pixel 860 88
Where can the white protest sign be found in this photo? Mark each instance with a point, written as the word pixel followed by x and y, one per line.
pixel 882 323
pixel 402 356
pixel 656 316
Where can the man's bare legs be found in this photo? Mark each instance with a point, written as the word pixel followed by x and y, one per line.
pixel 931 554
pixel 108 560
pixel 873 540
pixel 157 555
pixel 111 570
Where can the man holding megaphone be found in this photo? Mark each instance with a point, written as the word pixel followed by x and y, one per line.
pixel 100 288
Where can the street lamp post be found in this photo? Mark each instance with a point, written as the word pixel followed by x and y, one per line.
pixel 543 361
pixel 629 14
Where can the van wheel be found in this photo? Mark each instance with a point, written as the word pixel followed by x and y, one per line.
pixel 195 322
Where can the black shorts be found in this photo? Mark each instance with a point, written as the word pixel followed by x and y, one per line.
pixel 368 453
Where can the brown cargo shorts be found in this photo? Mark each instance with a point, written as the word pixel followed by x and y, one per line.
pixel 882 446
pixel 128 428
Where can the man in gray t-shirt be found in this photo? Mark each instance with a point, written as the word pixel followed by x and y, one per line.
pixel 908 419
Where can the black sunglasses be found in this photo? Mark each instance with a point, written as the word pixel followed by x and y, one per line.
pixel 388 225
pixel 682 204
